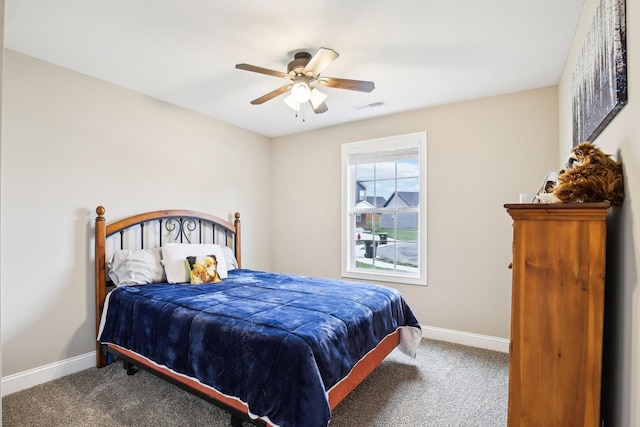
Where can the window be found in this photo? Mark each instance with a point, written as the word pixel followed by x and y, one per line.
pixel 384 209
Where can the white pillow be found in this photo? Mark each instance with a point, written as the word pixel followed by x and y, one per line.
pixel 174 256
pixel 229 258
pixel 136 267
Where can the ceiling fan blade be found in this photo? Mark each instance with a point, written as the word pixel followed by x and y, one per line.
pixel 271 95
pixel 320 61
pixel 261 70
pixel 359 85
pixel 322 108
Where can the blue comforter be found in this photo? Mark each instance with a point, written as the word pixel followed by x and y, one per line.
pixel 277 342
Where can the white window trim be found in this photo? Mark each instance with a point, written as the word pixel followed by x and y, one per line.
pixel 375 145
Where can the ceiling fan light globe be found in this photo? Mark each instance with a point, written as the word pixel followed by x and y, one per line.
pixel 292 103
pixel 301 92
pixel 316 97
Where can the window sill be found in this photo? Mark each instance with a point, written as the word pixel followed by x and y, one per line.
pixel 389 278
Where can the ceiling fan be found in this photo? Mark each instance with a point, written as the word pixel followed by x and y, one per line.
pixel 303 72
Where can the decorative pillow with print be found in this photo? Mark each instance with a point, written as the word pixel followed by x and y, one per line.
pixel 175 254
pixel 203 269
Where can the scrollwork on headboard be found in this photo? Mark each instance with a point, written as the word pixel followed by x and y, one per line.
pixel 184 226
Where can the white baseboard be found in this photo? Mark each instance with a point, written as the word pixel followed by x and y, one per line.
pixel 43 374
pixel 466 338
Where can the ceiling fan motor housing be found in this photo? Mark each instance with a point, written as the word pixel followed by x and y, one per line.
pixel 300 61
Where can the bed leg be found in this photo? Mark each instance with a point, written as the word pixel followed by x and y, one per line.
pixel 131 370
pixel 236 421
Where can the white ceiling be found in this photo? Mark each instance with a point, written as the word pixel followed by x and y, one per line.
pixel 419 53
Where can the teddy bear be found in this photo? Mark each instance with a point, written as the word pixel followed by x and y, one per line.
pixel 589 176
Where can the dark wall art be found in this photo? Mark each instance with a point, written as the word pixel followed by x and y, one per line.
pixel 600 78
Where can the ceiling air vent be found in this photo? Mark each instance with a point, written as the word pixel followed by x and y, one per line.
pixel 370 105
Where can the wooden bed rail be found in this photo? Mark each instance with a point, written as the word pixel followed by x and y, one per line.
pixel 230 230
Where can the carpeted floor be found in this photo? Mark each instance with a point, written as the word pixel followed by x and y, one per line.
pixel 446 385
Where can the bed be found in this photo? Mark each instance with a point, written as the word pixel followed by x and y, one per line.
pixel 272 349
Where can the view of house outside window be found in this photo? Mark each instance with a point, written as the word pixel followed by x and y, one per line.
pixel 384 226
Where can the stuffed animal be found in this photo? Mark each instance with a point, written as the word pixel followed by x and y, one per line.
pixel 590 176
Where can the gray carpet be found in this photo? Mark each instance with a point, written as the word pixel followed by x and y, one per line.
pixel 446 385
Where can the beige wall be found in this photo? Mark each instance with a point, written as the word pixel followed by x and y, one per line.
pixel 1 75
pixel 71 143
pixel 481 154
pixel 621 376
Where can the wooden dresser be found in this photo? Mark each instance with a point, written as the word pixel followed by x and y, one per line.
pixel 557 314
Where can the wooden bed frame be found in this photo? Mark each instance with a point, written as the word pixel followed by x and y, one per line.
pixel 184 224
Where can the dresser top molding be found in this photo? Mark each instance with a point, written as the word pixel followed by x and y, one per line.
pixel 558 211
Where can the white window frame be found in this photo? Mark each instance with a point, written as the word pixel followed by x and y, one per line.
pixel 349 268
